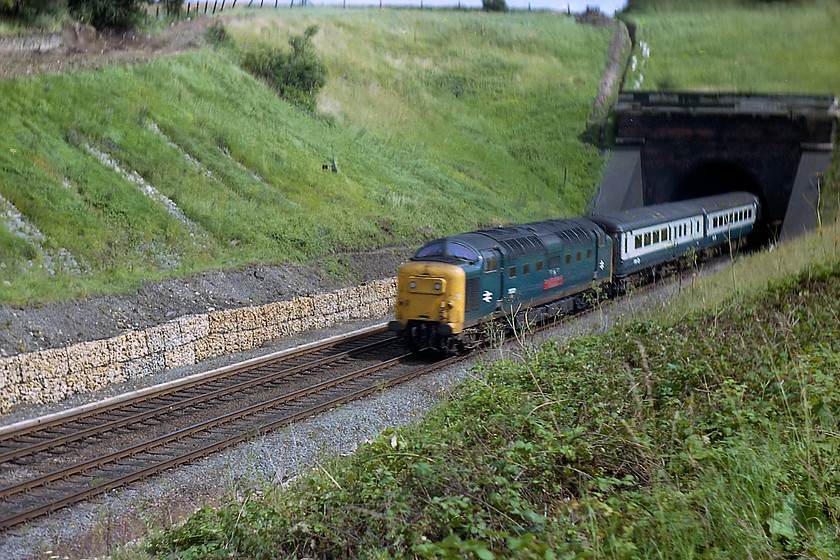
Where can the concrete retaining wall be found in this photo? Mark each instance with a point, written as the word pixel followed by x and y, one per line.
pixel 55 374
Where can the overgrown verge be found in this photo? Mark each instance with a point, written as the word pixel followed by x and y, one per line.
pixel 711 438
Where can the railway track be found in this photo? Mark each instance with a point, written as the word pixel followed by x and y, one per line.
pixel 169 425
pixel 60 461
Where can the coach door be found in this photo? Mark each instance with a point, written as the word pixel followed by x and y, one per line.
pixel 491 283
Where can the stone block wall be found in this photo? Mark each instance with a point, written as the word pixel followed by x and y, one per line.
pixel 55 374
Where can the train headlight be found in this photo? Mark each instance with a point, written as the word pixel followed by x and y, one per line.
pixel 437 286
pixel 412 285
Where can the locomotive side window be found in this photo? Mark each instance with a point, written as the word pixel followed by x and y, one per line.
pixel 578 256
pixel 539 266
pixel 526 268
pixel 589 253
pixel 554 262
pixel 491 263
pixel 513 272
pixel 569 258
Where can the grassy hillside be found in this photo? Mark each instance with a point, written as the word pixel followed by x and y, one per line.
pixel 708 431
pixel 740 46
pixel 439 121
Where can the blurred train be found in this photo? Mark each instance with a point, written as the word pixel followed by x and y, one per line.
pixel 453 287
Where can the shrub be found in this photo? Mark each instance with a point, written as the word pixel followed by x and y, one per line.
pixel 29 10
pixel 494 5
pixel 107 13
pixel 297 75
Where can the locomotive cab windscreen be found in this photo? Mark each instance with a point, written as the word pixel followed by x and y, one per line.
pixel 446 251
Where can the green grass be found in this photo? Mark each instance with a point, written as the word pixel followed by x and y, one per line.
pixel 746 46
pixel 431 137
pixel 713 435
pixel 707 430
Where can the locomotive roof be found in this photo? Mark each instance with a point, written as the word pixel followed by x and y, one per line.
pixel 529 238
pixel 625 220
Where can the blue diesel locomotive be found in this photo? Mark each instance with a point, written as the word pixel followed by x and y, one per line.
pixel 454 286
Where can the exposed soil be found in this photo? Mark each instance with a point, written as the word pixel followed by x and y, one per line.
pixel 81 48
pixel 51 325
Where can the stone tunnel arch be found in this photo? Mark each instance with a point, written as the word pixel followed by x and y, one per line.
pixel 680 145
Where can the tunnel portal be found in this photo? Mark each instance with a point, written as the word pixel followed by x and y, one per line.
pixel 675 146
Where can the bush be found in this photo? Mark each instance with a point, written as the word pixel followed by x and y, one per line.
pixel 297 75
pixel 29 10
pixel 107 13
pixel 494 5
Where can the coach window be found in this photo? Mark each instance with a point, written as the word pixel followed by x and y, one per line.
pixel 665 234
pixel 526 268
pixel 513 272
pixel 656 236
pixel 647 239
pixel 638 242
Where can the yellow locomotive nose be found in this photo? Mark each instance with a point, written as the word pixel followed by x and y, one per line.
pixel 430 294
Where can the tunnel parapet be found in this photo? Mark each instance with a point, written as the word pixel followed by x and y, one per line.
pixel 678 145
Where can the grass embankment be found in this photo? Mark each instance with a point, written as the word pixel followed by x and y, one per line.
pixel 707 431
pixel 439 121
pixel 736 46
pixel 712 435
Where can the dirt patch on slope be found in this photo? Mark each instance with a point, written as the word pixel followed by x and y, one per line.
pixel 58 324
pixel 81 48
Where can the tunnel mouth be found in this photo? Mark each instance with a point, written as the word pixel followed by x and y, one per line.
pixel 715 177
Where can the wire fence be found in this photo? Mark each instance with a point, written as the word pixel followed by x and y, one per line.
pixel 202 7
